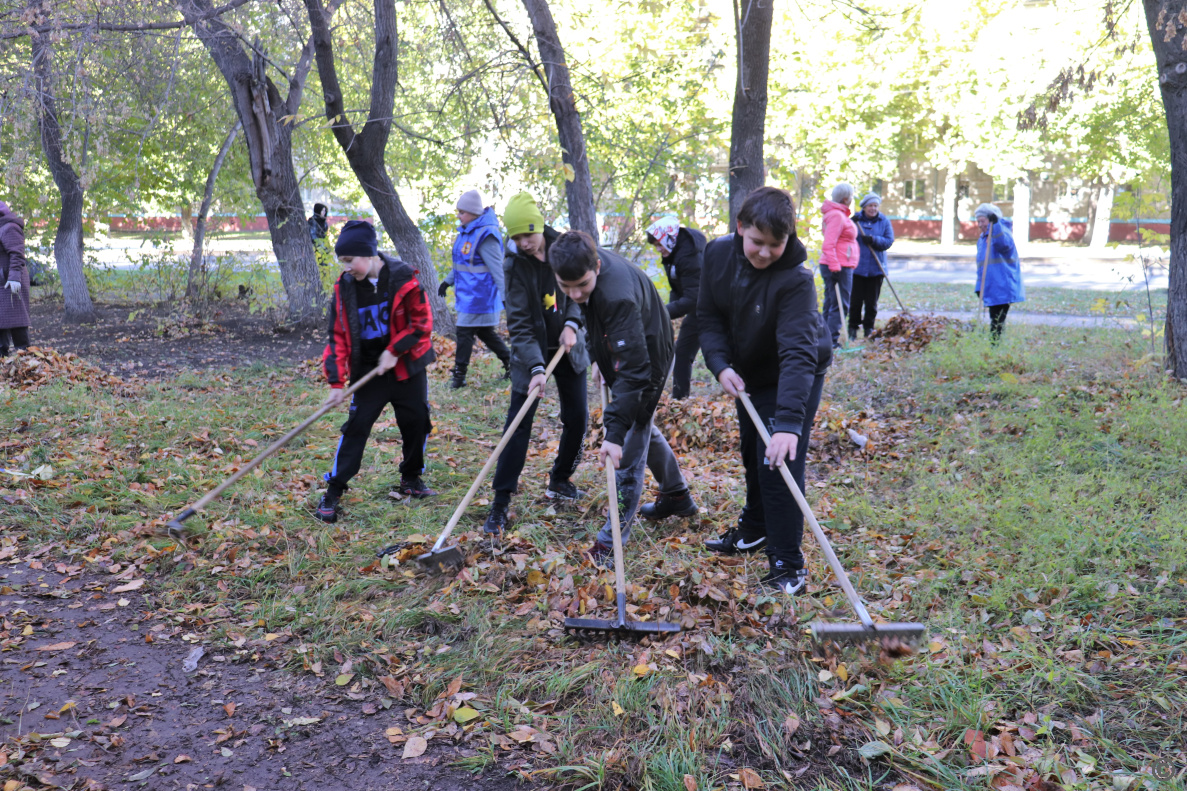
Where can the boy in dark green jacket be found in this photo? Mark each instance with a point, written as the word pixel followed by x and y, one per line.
pixel 631 342
pixel 540 319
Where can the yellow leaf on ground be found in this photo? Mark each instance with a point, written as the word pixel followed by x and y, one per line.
pixel 640 670
pixel 750 779
pixel 415 747
pixel 618 710
pixel 464 715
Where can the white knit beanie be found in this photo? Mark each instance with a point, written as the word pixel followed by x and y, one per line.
pixel 988 210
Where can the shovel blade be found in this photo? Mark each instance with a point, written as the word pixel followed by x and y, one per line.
pixel 443 561
pixel 856 633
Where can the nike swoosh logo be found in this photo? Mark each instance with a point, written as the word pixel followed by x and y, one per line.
pixel 743 545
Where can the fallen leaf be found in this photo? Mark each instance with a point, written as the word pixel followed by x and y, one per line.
pixel 299 721
pixel 976 743
pixel 117 721
pixel 464 715
pixel 56 647
pixel 230 709
pixel 640 670
pixel 871 750
pixel 226 752
pixel 750 779
pixel 791 724
pixel 182 759
pixel 131 586
pixel 618 710
pixel 343 679
pixel 415 747
pixel 690 783
pixel 147 773
pixel 60 742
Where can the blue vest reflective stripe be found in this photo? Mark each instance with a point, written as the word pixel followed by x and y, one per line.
pixel 473 283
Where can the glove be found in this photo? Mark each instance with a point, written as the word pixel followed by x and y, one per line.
pixel 441 289
pixel 14 286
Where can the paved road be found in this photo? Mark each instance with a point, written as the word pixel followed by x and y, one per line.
pixel 1042 265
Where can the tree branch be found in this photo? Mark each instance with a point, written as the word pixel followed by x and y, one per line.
pixel 231 6
pixel 523 50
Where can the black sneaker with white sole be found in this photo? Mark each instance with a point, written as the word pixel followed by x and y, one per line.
pixel 786 580
pixel 737 540
pixel 497 519
pixel 564 491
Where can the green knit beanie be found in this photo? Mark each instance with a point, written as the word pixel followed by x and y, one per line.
pixel 522 215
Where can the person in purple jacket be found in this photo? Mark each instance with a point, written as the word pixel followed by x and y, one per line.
pixel 14 276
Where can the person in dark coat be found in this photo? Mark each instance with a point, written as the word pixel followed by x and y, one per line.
pixel 875 235
pixel 319 230
pixel 379 318
pixel 540 319
pixel 682 250
pixel 14 277
pixel 762 334
pixel 631 343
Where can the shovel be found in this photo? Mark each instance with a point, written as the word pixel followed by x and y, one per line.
pixel 440 560
pixel 620 625
pixel 865 631
pixel 175 528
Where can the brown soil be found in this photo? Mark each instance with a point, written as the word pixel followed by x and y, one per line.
pixel 155 344
pixel 134 718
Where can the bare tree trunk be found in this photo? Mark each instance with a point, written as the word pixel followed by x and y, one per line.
pixel 752 30
pixel 948 224
pixel 563 103
pixel 1169 45
pixel 1101 220
pixel 68 241
pixel 365 150
pixel 269 144
pixel 197 272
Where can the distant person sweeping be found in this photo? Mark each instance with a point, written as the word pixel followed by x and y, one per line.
pixel 682 251
pixel 875 235
pixel 14 276
pixel 838 257
pixel 477 281
pixel 999 271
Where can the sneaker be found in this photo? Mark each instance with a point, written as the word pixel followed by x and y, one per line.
pixel 599 552
pixel 496 520
pixel 564 491
pixel 458 381
pixel 853 333
pixel 736 540
pixel 786 580
pixel 327 509
pixel 670 505
pixel 415 487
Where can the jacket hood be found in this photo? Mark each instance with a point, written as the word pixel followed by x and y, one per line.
pixel 793 255
pixel 487 218
pixel 7 214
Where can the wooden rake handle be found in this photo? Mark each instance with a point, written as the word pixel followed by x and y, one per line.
pixel 494 456
pixel 817 531
pixel 615 523
pixel 210 496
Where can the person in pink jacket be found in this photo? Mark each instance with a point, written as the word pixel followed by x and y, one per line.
pixel 838 256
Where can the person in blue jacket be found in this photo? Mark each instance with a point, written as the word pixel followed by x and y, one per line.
pixel 999 271
pixel 875 235
pixel 477 280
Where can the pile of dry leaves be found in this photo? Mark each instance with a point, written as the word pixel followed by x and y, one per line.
pixel 35 367
pixel 909 332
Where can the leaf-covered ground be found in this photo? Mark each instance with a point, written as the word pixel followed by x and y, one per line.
pixel 1025 501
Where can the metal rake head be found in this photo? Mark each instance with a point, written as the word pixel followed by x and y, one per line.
pixel 857 633
pixel 442 561
pixel 594 628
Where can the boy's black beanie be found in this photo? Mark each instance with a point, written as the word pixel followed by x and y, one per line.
pixel 357 238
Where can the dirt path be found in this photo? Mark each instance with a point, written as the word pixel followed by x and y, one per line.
pixel 112 710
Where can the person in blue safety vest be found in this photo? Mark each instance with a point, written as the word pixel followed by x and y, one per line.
pixel 477 281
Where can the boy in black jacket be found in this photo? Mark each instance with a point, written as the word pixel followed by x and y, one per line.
pixel 540 320
pixel 631 343
pixel 761 334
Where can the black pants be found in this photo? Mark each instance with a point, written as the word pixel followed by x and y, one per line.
pixel 571 389
pixel 465 346
pixel 997 320
pixel 410 400
pixel 17 337
pixel 866 291
pixel 688 343
pixel 769 503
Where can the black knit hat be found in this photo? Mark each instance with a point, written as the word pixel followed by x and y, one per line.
pixel 357 238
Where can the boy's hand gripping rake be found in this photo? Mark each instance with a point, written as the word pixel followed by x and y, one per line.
pixel 620 625
pixel 840 632
pixel 439 560
pixel 175 528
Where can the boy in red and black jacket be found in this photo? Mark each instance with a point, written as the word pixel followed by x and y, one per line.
pixel 379 318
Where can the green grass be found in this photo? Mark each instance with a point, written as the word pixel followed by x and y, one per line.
pixel 1025 501
pixel 1042 299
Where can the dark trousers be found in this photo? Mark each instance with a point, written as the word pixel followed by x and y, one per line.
pixel 571 389
pixel 769 503
pixel 834 314
pixel 17 337
pixel 866 291
pixel 410 401
pixel 688 343
pixel 465 346
pixel 997 320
